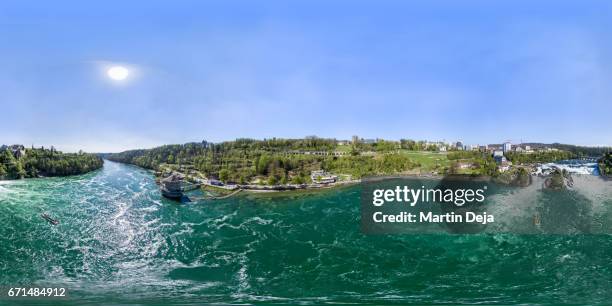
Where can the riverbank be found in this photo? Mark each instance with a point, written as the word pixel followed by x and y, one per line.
pixel 517 176
pixel 225 190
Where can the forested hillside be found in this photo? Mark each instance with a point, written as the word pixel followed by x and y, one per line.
pixel 17 162
pixel 281 160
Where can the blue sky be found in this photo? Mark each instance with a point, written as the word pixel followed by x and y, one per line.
pixel 476 71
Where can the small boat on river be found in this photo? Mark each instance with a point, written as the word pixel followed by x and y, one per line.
pixel 49 219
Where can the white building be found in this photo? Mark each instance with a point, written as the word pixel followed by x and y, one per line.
pixel 322 177
pixel 507 147
pixel 504 167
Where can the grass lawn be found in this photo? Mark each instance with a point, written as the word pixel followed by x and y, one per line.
pixel 344 148
pixel 428 160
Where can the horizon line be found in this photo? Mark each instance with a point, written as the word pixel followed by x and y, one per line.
pixel 59 147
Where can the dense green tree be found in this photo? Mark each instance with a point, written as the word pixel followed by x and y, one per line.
pixel 385 146
pixel 605 164
pixel 42 162
pixel 224 175
pixel 272 180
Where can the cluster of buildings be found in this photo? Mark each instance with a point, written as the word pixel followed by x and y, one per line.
pixel 503 164
pixel 498 151
pixel 504 147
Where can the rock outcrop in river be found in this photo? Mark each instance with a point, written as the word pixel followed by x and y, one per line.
pixel 558 180
pixel 519 177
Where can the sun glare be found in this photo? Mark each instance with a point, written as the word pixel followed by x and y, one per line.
pixel 118 73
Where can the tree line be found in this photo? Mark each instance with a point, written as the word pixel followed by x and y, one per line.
pixel 276 160
pixel 271 161
pixel 45 162
pixel 539 156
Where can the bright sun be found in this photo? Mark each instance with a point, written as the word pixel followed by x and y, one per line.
pixel 118 73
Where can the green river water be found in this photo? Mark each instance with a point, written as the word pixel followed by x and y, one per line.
pixel 119 241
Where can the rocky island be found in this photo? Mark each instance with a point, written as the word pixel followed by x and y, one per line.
pixel 558 180
pixel 518 177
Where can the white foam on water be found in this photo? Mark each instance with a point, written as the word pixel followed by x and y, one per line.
pixel 575 168
pixel 596 189
pixel 519 205
pixel 3 184
pixel 515 206
pixel 11 189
